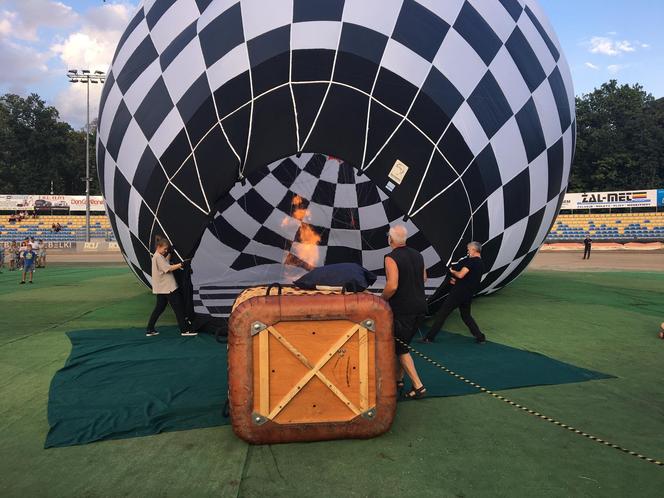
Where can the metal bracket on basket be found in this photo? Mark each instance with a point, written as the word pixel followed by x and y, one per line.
pixel 369 324
pixel 258 419
pixel 257 327
pixel 369 414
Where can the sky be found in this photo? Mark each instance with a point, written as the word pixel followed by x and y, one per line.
pixel 41 39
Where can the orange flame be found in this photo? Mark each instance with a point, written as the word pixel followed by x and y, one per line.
pixel 305 252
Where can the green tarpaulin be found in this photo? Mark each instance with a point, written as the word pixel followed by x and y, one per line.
pixel 120 384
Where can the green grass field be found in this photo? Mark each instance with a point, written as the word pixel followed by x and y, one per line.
pixel 458 446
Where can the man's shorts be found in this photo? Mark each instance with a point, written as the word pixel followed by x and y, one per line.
pixel 405 328
pixel 29 268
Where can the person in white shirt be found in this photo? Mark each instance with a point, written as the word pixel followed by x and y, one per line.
pixel 36 247
pixel 166 289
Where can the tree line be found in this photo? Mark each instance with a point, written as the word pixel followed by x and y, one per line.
pixel 37 148
pixel 620 140
pixel 620 144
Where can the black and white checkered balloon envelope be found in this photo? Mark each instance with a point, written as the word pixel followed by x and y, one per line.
pixel 264 137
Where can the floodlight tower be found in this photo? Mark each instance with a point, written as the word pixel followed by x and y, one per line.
pixel 87 77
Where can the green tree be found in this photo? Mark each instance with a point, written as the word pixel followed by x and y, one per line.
pixel 37 148
pixel 620 140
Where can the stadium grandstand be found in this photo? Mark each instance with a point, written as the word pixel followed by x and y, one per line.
pixel 610 227
pixel 605 216
pixel 567 227
pixel 72 228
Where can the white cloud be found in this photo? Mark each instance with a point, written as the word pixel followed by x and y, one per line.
pixel 91 47
pixel 41 39
pixel 645 45
pixel 21 65
pixel 72 103
pixel 608 46
pixel 616 68
pixel 590 65
pixel 29 16
pixel 7 20
pixel 110 17
pixel 87 49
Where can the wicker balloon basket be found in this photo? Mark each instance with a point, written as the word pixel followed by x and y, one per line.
pixel 310 365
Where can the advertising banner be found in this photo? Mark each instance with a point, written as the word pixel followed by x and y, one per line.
pixel 59 246
pixel 48 203
pixel 611 200
pixel 660 198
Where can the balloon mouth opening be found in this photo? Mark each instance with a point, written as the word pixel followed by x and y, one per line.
pixel 294 215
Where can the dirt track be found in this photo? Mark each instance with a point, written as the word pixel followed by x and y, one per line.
pixel 565 261
pixel 600 260
pixel 86 257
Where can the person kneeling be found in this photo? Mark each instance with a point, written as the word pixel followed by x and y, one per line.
pixel 166 289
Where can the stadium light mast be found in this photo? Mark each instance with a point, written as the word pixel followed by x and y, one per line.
pixel 87 77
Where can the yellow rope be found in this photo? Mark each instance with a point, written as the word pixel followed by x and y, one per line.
pixel 529 411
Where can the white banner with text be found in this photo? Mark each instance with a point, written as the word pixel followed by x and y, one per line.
pixel 50 203
pixel 611 200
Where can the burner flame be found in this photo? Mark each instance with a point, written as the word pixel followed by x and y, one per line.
pixel 305 252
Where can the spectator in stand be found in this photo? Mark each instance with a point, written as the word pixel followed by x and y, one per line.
pixel 42 254
pixel 2 256
pixel 28 256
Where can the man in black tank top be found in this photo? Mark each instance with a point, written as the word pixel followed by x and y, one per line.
pixel 465 283
pixel 404 290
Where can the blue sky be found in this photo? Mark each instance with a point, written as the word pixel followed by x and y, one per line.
pixel 41 39
pixel 604 39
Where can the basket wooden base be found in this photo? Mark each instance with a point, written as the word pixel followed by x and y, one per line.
pixel 307 366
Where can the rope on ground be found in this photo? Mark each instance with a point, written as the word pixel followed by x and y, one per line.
pixel 529 411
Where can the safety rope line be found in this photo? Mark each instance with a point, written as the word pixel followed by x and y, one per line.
pixel 529 411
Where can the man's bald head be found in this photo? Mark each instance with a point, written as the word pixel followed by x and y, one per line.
pixel 398 235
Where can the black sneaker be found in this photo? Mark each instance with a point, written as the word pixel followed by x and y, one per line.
pixel 188 333
pixel 30 282
pixel 22 282
pixel 151 333
pixel 480 340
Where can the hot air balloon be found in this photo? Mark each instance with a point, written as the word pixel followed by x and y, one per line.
pixel 264 138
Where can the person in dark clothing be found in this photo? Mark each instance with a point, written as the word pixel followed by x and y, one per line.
pixel 166 289
pixel 587 246
pixel 404 290
pixel 464 284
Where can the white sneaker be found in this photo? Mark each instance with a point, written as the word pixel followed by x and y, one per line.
pixel 151 333
pixel 188 333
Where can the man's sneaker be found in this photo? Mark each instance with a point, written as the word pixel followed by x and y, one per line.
pixel 151 333
pixel 30 282
pixel 188 333
pixel 480 340
pixel 22 282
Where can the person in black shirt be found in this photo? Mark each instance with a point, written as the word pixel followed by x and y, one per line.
pixel 587 246
pixel 404 290
pixel 465 283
